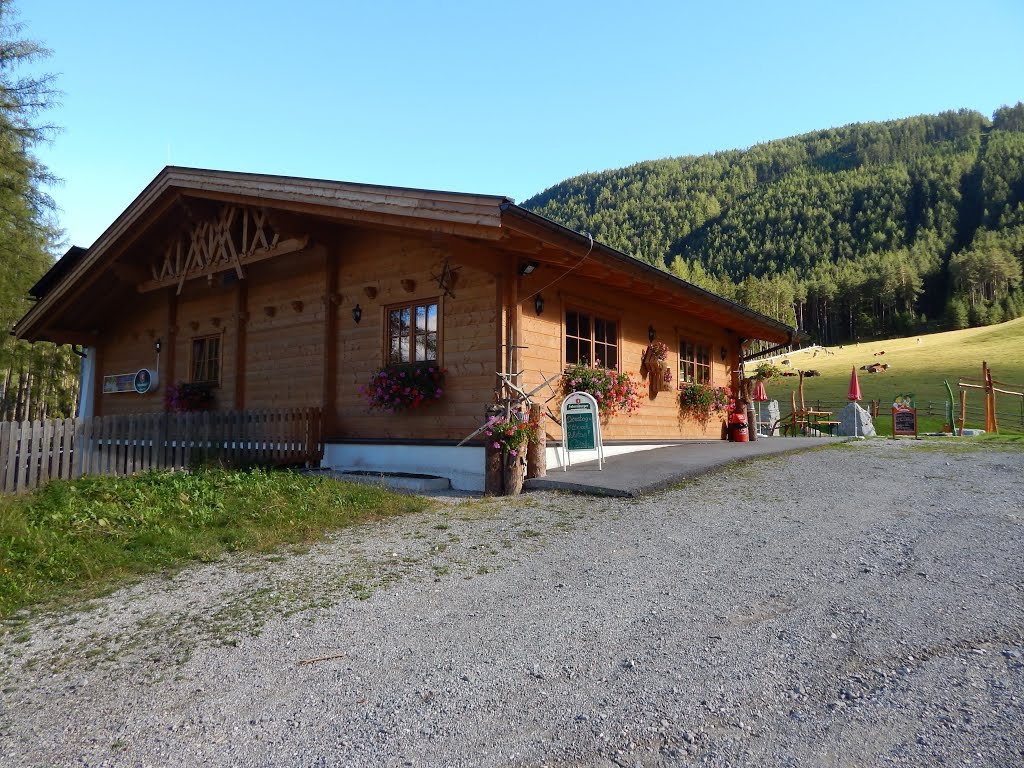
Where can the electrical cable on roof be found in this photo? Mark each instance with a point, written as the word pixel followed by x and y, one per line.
pixel 570 269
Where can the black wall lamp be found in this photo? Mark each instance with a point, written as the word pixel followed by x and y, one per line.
pixel 651 333
pixel 357 313
pixel 538 304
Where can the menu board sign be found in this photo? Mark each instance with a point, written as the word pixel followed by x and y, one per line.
pixel 904 416
pixel 581 427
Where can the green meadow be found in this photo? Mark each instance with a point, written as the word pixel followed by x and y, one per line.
pixel 918 365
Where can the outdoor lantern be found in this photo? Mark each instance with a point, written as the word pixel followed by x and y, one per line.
pixel 357 313
pixel 651 333
pixel 538 304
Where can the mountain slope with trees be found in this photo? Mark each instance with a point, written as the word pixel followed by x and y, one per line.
pixel 866 230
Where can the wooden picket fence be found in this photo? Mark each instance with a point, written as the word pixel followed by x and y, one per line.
pixel 34 452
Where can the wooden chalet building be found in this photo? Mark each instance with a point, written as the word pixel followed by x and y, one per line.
pixel 288 292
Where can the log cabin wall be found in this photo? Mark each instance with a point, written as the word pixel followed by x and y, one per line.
pixel 377 271
pixel 204 310
pixel 284 334
pixel 659 417
pixel 126 345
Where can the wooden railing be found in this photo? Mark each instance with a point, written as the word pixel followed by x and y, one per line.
pixel 33 452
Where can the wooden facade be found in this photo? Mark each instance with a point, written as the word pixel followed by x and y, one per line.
pixel 268 271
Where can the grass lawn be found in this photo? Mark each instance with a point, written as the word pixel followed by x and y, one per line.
pixel 82 538
pixel 917 368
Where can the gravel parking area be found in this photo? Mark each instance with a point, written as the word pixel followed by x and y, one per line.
pixel 860 605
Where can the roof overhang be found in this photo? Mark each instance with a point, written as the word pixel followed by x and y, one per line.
pixel 469 215
pixel 745 322
pixel 486 217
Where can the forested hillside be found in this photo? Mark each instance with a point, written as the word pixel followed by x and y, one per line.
pixel 856 232
pixel 36 380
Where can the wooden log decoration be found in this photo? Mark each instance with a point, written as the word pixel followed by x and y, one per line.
pixel 408 285
pixel 536 453
pixel 370 291
pixel 493 471
pixel 297 306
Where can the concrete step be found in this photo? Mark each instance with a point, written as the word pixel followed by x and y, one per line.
pixel 399 481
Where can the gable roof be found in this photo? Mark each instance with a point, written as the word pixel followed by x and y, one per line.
pixel 462 214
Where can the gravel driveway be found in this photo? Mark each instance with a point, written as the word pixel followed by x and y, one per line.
pixel 855 606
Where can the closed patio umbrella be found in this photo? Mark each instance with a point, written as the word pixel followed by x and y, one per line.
pixel 760 396
pixel 853 395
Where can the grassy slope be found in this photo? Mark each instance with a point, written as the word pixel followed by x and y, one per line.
pixel 916 368
pixel 83 537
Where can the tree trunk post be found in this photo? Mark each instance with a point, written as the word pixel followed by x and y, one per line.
pixel 536 453
pixel 494 471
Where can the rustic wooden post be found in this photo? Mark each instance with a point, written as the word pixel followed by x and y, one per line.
pixel 493 471
pixel 963 410
pixel 537 453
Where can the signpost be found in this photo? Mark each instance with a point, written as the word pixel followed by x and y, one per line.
pixel 581 427
pixel 141 381
pixel 904 416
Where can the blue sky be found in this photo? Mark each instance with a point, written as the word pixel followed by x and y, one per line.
pixel 496 98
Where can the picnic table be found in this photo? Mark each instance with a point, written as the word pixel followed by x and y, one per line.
pixel 808 422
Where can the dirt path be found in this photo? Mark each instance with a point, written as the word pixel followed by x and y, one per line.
pixel 856 606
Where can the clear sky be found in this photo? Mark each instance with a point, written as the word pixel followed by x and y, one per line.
pixel 497 98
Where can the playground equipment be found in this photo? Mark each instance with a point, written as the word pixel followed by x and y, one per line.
pixel 988 386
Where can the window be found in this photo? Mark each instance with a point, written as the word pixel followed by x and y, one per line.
pixel 412 333
pixel 694 363
pixel 591 339
pixel 206 360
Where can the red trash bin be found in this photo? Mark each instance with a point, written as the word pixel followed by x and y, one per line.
pixel 738 428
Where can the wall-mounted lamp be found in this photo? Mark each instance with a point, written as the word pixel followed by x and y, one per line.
pixel 538 304
pixel 723 352
pixel 527 268
pixel 651 333
pixel 357 313
pixel 156 346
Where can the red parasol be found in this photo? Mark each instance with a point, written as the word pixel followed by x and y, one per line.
pixel 854 393
pixel 759 394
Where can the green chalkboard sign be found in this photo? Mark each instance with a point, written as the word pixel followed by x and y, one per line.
pixel 579 431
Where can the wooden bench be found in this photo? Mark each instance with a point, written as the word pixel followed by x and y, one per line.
pixel 829 425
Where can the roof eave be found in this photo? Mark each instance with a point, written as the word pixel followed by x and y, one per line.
pixel 776 329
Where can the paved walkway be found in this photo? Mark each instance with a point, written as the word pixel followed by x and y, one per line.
pixel 633 474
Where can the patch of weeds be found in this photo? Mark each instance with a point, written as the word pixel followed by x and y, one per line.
pixel 529 533
pixel 441 527
pixel 441 570
pixel 360 591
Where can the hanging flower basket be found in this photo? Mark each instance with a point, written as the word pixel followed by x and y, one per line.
pixel 404 387
pixel 615 392
pixel 189 397
pixel 702 401
pixel 665 379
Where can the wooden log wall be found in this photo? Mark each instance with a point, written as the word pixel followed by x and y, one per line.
pixel 659 417
pixel 380 270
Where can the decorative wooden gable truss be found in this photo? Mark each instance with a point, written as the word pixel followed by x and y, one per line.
pixel 236 235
